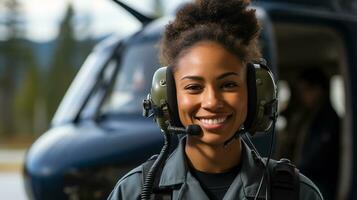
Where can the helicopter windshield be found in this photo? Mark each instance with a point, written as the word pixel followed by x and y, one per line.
pixel 133 81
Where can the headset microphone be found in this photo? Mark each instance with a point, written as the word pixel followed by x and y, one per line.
pixel 192 129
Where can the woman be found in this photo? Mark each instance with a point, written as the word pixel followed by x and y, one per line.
pixel 208 46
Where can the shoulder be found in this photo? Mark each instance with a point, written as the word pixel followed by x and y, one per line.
pixel 129 186
pixel 308 190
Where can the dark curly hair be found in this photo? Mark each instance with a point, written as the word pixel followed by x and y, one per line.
pixel 228 22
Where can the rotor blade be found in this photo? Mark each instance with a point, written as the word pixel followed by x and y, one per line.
pixel 142 18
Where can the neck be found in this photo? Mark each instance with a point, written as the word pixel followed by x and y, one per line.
pixel 213 158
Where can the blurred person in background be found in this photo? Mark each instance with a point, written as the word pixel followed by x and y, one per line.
pixel 311 137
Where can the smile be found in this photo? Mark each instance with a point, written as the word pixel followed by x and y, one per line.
pixel 213 121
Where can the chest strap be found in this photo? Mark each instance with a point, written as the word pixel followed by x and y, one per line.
pixel 285 182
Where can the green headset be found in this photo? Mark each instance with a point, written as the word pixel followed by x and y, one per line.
pixel 161 102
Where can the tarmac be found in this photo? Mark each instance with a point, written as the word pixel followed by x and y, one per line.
pixel 11 181
pixel 12 160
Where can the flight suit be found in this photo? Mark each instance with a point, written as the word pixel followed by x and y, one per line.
pixel 176 175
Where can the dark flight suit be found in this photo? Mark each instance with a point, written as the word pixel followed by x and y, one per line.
pixel 176 173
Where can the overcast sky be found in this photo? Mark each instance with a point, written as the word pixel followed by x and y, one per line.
pixel 42 17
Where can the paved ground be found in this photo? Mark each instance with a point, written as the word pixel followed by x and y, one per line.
pixel 11 186
pixel 11 182
pixel 11 160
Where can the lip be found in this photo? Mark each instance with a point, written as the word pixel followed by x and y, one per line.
pixel 213 123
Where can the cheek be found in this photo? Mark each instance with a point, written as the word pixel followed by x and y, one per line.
pixel 240 104
pixel 186 106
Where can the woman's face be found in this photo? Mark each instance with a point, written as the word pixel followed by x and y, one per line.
pixel 211 91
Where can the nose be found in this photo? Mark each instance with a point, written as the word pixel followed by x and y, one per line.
pixel 212 99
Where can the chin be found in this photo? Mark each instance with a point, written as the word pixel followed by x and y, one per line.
pixel 212 139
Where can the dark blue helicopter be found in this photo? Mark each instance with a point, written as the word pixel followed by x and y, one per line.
pixel 98 132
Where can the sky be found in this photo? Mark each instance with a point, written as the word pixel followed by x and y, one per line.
pixel 42 17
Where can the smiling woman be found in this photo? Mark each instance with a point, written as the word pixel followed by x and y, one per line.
pixel 211 84
pixel 212 91
pixel 214 81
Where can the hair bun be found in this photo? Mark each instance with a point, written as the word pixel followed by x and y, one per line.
pixel 232 17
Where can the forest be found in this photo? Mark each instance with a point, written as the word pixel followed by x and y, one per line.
pixel 34 76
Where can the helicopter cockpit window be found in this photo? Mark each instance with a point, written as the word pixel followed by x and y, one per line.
pixel 133 81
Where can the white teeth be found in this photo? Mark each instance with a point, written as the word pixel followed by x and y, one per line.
pixel 213 121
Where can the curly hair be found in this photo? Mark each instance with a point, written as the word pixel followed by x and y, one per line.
pixel 230 23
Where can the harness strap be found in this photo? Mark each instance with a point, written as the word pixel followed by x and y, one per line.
pixel 285 183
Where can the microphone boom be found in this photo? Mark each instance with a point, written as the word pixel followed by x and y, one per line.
pixel 192 129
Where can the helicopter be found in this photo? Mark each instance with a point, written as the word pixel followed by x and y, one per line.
pixel 98 132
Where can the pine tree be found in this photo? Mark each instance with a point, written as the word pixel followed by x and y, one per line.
pixel 27 97
pixel 14 58
pixel 63 66
pixel 158 8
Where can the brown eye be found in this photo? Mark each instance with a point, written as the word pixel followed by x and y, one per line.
pixel 193 88
pixel 229 85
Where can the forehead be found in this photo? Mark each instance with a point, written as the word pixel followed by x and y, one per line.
pixel 209 57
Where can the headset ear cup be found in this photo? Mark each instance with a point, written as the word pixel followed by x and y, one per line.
pixel 262 98
pixel 172 98
pixel 252 97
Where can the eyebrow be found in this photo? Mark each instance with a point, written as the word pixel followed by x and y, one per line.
pixel 218 78
pixel 193 78
pixel 227 74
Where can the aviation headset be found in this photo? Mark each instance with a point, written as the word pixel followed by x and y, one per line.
pixel 262 99
pixel 161 103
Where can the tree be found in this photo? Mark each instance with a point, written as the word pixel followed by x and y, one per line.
pixel 63 65
pixel 27 99
pixel 158 8
pixel 14 58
